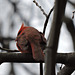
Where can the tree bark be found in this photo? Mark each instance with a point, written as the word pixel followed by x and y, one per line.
pixel 52 45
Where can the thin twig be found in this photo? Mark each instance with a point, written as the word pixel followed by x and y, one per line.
pixel 47 16
pixel 40 8
pixel 8 50
pixel 46 21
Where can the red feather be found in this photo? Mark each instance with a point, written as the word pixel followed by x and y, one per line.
pixel 30 40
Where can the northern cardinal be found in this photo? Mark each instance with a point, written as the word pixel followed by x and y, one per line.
pixel 30 40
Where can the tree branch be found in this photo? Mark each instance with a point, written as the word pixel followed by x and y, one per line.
pixel 66 70
pixel 71 28
pixel 17 57
pixel 40 8
pixel 52 46
pixel 8 50
pixel 72 3
pixel 64 58
pixel 46 21
pixel 6 39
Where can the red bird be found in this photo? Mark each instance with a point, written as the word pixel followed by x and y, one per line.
pixel 30 40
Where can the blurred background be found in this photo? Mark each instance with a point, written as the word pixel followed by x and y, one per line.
pixel 14 12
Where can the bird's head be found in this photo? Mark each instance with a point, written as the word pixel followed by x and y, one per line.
pixel 21 29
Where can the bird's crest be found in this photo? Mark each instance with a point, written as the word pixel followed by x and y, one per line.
pixel 22 27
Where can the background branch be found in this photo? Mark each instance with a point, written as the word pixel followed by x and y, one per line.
pixel 66 70
pixel 6 38
pixel 40 7
pixel 8 50
pixel 72 3
pixel 71 28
